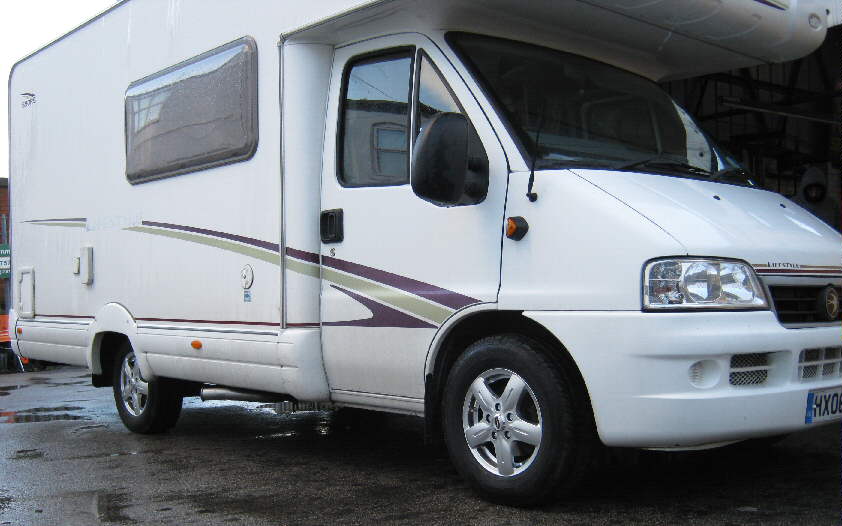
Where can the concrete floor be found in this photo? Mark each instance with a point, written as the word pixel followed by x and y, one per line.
pixel 65 459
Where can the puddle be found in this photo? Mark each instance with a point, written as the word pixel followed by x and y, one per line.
pixel 40 414
pixel 27 454
pixel 5 390
pixel 5 501
pixel 123 454
pixel 50 382
pixel 109 508
pixel 117 454
pixel 88 428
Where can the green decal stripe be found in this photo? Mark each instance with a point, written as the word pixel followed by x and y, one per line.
pixel 270 257
pixel 308 269
pixel 389 296
pixel 381 293
pixel 66 225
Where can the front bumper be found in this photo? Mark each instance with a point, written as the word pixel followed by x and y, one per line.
pixel 637 368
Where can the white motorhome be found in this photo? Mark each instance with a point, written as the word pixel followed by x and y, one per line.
pixel 483 213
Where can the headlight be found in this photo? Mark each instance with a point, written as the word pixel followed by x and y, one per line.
pixel 701 284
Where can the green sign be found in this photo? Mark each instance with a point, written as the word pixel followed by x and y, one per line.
pixel 5 261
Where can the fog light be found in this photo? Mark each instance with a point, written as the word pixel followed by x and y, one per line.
pixel 704 374
pixel 815 21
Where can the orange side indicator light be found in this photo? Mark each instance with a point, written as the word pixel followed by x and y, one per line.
pixel 20 331
pixel 516 228
pixel 196 344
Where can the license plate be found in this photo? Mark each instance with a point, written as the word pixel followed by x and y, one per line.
pixel 824 405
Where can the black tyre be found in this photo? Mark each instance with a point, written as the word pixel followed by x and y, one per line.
pixel 517 421
pixel 144 407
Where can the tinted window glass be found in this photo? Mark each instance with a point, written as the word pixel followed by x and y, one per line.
pixel 196 115
pixel 569 110
pixel 375 121
pixel 434 96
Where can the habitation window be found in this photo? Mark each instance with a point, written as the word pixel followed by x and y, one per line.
pixel 196 115
pixel 374 124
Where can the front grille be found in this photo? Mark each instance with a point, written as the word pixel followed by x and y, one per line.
pixel 820 364
pixel 799 304
pixel 750 369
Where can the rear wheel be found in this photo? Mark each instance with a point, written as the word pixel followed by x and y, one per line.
pixel 517 423
pixel 144 406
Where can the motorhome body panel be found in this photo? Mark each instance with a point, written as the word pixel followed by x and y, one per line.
pixel 231 255
pixel 173 251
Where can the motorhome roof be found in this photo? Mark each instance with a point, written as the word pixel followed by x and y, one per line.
pixel 660 39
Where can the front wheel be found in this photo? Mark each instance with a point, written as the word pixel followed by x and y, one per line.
pixel 516 421
pixel 145 407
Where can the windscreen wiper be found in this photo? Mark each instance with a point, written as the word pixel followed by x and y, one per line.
pixel 665 163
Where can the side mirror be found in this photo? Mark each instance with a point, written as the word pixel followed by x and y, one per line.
pixel 449 164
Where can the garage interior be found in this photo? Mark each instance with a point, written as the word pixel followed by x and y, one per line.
pixel 782 121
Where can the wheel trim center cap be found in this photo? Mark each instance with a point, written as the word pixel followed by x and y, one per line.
pixel 498 422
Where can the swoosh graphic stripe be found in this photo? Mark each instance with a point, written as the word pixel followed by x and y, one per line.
pixel 266 245
pixel 270 257
pixel 310 257
pixel 214 322
pixel 308 269
pixel 389 296
pixel 381 293
pixel 444 297
pixel 60 220
pixel 66 225
pixel 381 315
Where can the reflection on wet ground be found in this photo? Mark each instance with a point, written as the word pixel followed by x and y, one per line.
pixel 40 414
pixel 5 390
pixel 26 454
pixel 246 463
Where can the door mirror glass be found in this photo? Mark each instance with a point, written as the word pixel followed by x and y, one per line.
pixel 449 166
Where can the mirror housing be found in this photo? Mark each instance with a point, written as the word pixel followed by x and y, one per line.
pixel 449 164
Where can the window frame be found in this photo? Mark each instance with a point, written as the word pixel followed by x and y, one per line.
pixel 253 112
pixel 421 55
pixel 407 51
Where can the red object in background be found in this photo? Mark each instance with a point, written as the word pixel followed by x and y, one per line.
pixel 4 328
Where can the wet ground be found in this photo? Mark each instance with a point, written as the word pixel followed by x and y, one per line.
pixel 65 459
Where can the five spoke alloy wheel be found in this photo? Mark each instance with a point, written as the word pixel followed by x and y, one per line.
pixel 133 388
pixel 516 419
pixel 145 405
pixel 501 419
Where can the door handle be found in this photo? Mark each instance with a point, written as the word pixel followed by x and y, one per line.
pixel 330 226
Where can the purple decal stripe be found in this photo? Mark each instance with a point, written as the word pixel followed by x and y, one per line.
pixel 381 315
pixel 302 255
pixel 62 220
pixel 274 247
pixel 445 297
pixel 770 4
pixel 214 322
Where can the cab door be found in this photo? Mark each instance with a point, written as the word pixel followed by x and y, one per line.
pixel 394 266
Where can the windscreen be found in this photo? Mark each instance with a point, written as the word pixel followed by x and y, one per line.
pixel 566 110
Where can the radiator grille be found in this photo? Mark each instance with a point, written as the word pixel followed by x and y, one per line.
pixel 750 369
pixel 820 364
pixel 798 304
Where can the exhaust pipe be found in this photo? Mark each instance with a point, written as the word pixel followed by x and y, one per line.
pixel 216 392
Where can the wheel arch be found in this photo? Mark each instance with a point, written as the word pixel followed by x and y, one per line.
pixel 459 334
pixel 113 325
